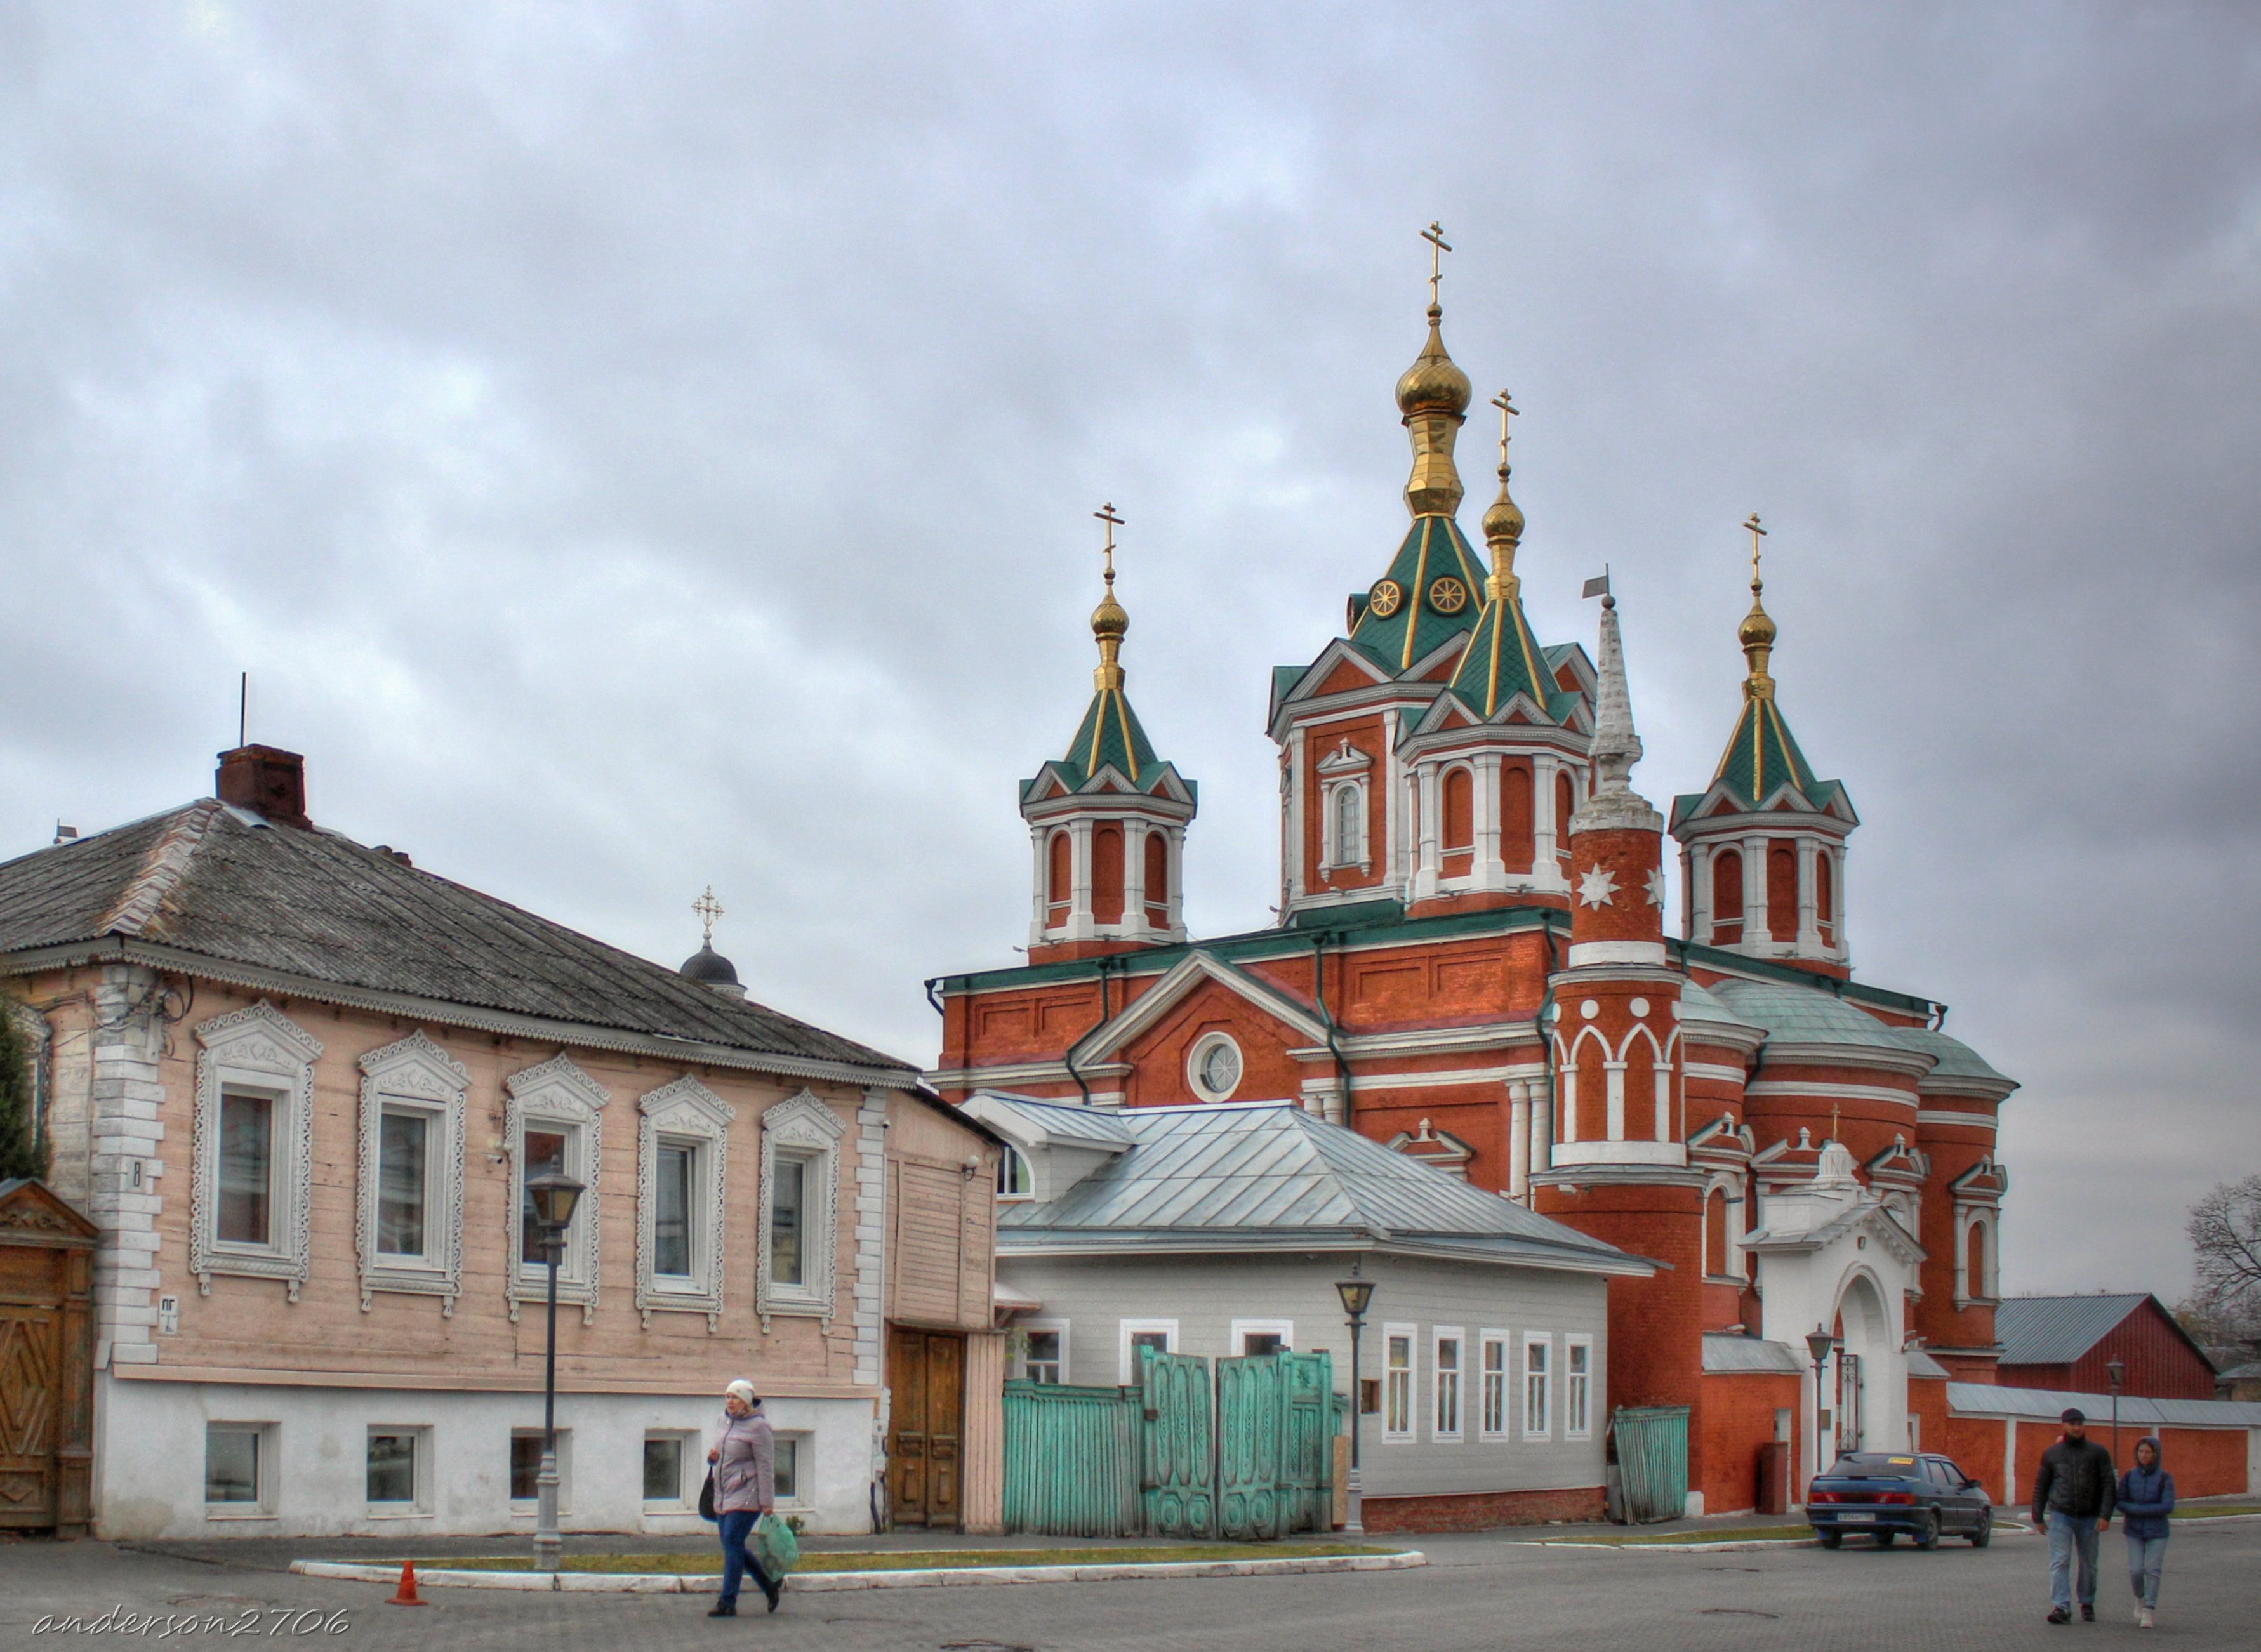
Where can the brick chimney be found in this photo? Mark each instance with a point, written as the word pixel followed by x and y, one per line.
pixel 268 781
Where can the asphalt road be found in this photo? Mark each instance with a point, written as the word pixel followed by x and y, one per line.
pixel 1479 1592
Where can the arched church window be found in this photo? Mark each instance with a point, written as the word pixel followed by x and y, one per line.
pixel 1107 874
pixel 1158 880
pixel 1728 897
pixel 1515 837
pixel 1458 810
pixel 1715 1231
pixel 1824 887
pixel 1781 892
pixel 1975 1281
pixel 1060 878
pixel 1565 804
pixel 1349 825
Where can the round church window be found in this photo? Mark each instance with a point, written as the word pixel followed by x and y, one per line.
pixel 1385 599
pixel 1215 1066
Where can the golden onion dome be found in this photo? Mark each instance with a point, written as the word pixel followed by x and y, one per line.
pixel 1504 521
pixel 1109 618
pixel 1435 382
pixel 1757 629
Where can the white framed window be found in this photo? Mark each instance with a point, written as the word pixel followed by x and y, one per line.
pixel 1161 1335
pixel 554 1122
pixel 409 1215
pixel 1397 1383
pixel 1577 1388
pixel 1213 1067
pixel 1498 1387
pixel 1012 1174
pixel 1537 1384
pixel 238 1471
pixel 1446 1343
pixel 1044 1351
pixel 526 1470
pixel 253 1149
pixel 1262 1336
pixel 669 1487
pixel 794 1456
pixel 397 1469
pixel 800 1155
pixel 683 1139
pixel 1343 826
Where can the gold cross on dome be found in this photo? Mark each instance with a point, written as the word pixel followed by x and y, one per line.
pixel 708 910
pixel 1507 410
pixel 1106 513
pixel 1756 533
pixel 1437 246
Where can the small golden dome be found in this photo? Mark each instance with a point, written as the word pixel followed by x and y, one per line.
pixel 1757 629
pixel 1435 382
pixel 1109 619
pixel 1504 520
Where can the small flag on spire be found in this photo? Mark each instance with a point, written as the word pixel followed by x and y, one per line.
pixel 1598 586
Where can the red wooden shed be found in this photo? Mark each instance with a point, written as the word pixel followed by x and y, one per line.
pixel 2065 1343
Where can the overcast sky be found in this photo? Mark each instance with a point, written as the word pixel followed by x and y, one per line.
pixel 637 447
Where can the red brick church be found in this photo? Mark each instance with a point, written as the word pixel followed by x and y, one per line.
pixel 1470 964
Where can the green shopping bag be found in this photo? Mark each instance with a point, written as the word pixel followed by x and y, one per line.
pixel 775 1546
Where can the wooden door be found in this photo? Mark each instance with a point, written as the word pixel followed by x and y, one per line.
pixel 46 1375
pixel 926 1419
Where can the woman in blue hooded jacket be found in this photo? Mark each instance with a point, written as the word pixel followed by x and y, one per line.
pixel 2146 1498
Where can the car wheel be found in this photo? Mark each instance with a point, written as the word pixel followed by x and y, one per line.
pixel 1983 1533
pixel 1885 1538
pixel 1927 1534
pixel 1831 1540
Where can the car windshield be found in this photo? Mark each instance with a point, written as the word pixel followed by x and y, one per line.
pixel 1874 1465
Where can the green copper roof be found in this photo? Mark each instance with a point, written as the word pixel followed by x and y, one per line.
pixel 1503 660
pixel 1761 757
pixel 1416 626
pixel 1109 734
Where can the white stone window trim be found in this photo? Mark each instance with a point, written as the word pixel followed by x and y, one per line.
pixel 1571 1429
pixel 1241 1330
pixel 1411 1333
pixel 1441 1431
pixel 1544 1373
pixel 1978 1293
pixel 255 1051
pixel 1127 1355
pixel 801 1128
pixel 1197 1058
pixel 414 1075
pixel 556 1092
pixel 1488 1341
pixel 685 1113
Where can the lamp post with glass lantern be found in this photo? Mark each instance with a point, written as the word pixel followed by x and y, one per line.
pixel 2115 1373
pixel 1819 1341
pixel 553 1197
pixel 1357 1295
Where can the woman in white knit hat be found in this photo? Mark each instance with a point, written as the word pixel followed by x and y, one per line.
pixel 745 1456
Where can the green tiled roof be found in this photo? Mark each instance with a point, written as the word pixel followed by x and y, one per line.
pixel 1763 756
pixel 1503 660
pixel 1109 734
pixel 1434 548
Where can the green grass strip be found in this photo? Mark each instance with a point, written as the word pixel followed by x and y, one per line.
pixel 2199 1512
pixel 1718 1534
pixel 918 1560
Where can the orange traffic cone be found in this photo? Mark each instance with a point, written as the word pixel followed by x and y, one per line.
pixel 406 1595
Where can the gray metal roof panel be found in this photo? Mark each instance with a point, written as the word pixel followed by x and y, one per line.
pixel 1725 1351
pixel 1985 1399
pixel 2058 1330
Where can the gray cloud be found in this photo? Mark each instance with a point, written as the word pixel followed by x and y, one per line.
pixel 632 447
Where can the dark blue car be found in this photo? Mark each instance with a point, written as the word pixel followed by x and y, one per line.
pixel 1881 1494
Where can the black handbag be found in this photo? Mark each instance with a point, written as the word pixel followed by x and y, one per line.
pixel 706 1497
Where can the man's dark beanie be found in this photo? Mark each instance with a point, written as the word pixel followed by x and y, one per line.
pixel 2072 1415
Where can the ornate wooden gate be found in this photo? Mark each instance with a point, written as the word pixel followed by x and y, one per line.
pixel 926 1413
pixel 1177 1479
pixel 1274 1464
pixel 47 1360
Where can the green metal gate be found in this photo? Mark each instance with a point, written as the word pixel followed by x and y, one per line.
pixel 1178 1484
pixel 1652 1460
pixel 1072 1460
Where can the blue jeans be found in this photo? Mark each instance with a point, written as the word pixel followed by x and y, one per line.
pixel 738 1560
pixel 2146 1557
pixel 2067 1537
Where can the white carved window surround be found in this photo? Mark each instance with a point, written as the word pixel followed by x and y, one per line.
pixel 555 1120
pixel 1343 808
pixel 682 1138
pixel 800 1156
pixel 1979 1292
pixel 252 1183
pixel 408 1222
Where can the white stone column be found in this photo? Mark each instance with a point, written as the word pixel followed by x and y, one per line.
pixel 1081 925
pixel 1542 1132
pixel 1566 1103
pixel 1755 892
pixel 1519 1140
pixel 1173 846
pixel 1809 931
pixel 1545 828
pixel 1489 868
pixel 1615 1071
pixel 1427 808
pixel 1134 875
pixel 1695 889
pixel 1292 870
pixel 1039 841
pixel 126 1127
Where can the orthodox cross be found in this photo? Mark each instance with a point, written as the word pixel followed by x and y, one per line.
pixel 1757 533
pixel 708 910
pixel 1437 246
pixel 1507 410
pixel 1106 513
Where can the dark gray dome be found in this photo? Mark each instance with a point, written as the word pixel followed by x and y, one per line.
pixel 709 968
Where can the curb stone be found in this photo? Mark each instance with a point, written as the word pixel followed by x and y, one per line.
pixel 825 1582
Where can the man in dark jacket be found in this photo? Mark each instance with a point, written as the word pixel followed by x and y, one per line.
pixel 2073 1497
pixel 2147 1499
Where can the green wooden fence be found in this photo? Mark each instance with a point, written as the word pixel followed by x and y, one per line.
pixel 1072 1460
pixel 1178 1484
pixel 1651 1444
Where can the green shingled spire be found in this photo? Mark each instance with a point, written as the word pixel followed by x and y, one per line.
pixel 1430 596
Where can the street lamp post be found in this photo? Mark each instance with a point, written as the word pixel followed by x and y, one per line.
pixel 1357 1295
pixel 553 1197
pixel 2115 1373
pixel 1819 1341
